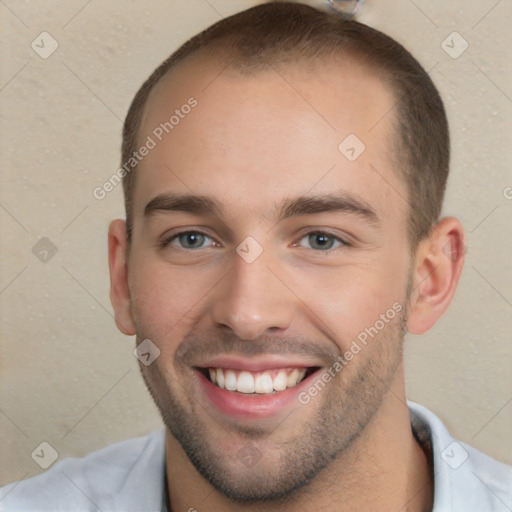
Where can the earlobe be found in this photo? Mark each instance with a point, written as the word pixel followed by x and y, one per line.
pixel 119 290
pixel 437 268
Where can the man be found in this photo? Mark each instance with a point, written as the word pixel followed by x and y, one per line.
pixel 284 173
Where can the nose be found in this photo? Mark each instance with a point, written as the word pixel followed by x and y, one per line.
pixel 252 300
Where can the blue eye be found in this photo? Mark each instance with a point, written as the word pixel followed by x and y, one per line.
pixel 188 240
pixel 321 241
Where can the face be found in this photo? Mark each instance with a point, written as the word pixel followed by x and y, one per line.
pixel 263 253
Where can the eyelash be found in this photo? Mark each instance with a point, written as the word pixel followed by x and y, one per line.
pixel 167 241
pixel 343 242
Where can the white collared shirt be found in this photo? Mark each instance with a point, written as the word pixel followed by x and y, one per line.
pixel 129 477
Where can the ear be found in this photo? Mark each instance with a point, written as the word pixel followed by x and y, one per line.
pixel 437 267
pixel 119 290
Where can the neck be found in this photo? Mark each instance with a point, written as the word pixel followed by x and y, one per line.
pixel 383 469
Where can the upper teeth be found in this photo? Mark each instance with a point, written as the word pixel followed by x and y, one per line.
pixel 257 382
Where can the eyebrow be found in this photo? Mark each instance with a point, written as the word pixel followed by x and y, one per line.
pixel 291 207
pixel 186 203
pixel 339 202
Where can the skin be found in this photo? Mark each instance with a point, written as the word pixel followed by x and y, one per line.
pixel 252 142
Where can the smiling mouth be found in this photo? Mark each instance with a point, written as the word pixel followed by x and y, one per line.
pixel 265 382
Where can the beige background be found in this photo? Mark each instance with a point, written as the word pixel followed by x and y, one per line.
pixel 68 377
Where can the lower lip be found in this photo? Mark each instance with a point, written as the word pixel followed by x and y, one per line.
pixel 240 405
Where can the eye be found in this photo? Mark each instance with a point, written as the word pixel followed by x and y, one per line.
pixel 188 240
pixel 322 241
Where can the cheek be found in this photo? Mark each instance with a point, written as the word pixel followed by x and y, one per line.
pixel 351 299
pixel 164 299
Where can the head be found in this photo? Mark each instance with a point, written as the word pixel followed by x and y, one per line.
pixel 287 217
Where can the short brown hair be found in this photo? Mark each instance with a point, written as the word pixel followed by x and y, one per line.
pixel 290 32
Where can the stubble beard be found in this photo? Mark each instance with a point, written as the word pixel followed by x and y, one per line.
pixel 347 406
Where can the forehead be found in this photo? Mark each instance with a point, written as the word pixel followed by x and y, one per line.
pixel 277 132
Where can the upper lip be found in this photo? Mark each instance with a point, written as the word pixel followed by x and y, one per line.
pixel 258 363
